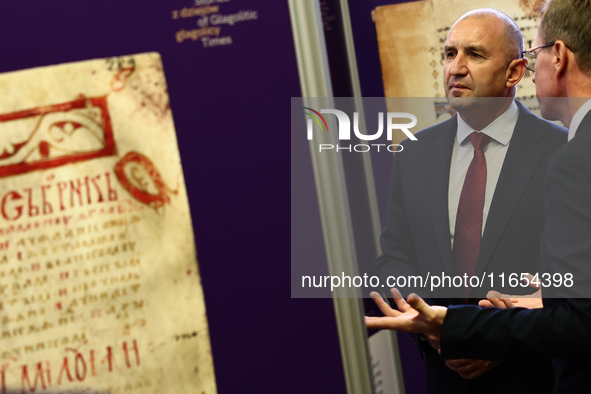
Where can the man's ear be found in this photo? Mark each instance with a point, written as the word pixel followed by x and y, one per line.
pixel 515 72
pixel 560 57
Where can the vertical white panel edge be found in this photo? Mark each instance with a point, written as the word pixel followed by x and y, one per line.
pixel 332 195
pixel 387 342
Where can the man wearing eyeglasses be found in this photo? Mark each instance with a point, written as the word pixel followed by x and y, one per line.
pixel 561 59
pixel 467 197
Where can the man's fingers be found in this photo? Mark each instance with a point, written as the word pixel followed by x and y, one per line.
pixel 435 341
pixel 470 369
pixel 420 318
pixel 383 305
pixel 497 299
pixel 497 302
pixel 530 279
pixel 451 365
pixel 458 363
pixel 400 302
pixel 485 304
pixel 471 375
pixel 494 297
pixel 431 316
pixel 530 302
pixel 386 323
pixel 375 323
pixel 419 305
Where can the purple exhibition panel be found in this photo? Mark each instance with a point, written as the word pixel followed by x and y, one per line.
pixel 230 74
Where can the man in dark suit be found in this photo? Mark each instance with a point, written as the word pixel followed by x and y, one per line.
pixel 430 189
pixel 562 58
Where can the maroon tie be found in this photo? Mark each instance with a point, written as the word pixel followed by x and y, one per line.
pixel 469 218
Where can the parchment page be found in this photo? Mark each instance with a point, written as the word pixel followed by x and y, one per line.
pixel 407 44
pixel 99 286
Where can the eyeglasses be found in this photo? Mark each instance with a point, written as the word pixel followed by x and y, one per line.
pixel 530 55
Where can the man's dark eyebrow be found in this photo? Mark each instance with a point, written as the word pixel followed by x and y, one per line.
pixel 470 48
pixel 476 48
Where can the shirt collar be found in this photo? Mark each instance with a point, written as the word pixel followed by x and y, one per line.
pixel 500 129
pixel 578 118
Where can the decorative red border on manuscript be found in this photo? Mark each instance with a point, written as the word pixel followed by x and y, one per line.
pixel 41 164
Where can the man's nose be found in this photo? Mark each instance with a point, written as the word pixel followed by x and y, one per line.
pixel 459 65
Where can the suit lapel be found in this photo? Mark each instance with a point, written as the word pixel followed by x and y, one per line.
pixel 522 159
pixel 437 174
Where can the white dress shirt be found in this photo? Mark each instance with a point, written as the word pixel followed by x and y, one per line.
pixel 577 119
pixel 500 131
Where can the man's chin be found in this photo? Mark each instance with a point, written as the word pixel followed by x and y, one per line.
pixel 469 103
pixel 460 103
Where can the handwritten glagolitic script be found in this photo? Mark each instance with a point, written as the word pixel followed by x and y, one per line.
pixel 99 285
pixel 411 37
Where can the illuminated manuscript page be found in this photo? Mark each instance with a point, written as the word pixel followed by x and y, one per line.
pixel 99 286
pixel 411 37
